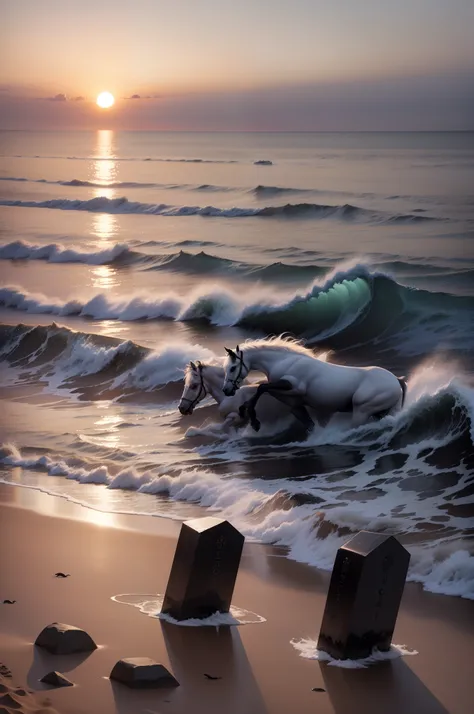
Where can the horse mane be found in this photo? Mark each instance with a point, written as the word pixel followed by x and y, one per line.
pixel 278 342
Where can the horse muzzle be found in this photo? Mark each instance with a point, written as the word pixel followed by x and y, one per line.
pixel 185 411
pixel 230 391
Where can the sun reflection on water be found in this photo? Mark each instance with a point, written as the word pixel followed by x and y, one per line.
pixel 105 167
pixel 104 277
pixel 104 225
pixel 104 172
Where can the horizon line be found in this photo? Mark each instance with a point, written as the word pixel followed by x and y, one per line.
pixel 252 131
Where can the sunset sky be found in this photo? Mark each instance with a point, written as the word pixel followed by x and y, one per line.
pixel 230 65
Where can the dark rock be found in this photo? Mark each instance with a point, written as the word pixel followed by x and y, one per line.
pixel 204 569
pixel 5 672
pixel 8 703
pixel 142 673
pixel 318 689
pixel 58 638
pixel 56 679
pixel 9 602
pixel 209 676
pixel 364 596
pixel 62 575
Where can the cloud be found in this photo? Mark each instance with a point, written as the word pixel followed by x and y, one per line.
pixel 79 99
pixel 57 98
pixel 147 96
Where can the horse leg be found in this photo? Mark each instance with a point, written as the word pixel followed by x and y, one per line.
pixel 359 417
pixel 301 413
pixel 297 408
pixel 233 421
pixel 377 407
pixel 248 408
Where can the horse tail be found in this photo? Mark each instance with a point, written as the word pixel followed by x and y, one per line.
pixel 403 384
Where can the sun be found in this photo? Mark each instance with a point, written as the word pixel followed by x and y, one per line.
pixel 105 100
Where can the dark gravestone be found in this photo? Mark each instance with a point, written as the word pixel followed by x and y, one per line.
pixel 204 569
pixel 364 596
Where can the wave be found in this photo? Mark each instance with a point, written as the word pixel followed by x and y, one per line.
pixel 102 204
pixel 94 365
pixel 192 263
pixel 262 191
pixel 91 184
pixel 203 263
pixel 350 307
pixel 120 184
pixel 56 253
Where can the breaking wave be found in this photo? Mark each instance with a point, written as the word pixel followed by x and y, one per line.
pixel 96 366
pixel 56 253
pixel 348 308
pixel 102 204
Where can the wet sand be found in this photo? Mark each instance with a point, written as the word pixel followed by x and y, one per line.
pixel 260 670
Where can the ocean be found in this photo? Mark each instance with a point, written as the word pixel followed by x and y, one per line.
pixel 123 256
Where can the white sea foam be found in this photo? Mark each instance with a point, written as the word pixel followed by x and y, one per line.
pixel 217 305
pixel 159 368
pixel 85 358
pixel 307 648
pixel 451 575
pixel 260 509
pixel 151 604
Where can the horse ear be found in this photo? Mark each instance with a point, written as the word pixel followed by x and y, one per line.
pixel 237 349
pixel 231 353
pixel 193 366
pixel 199 364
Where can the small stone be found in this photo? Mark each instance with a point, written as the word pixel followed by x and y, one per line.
pixel 142 673
pixel 58 638
pixel 318 689
pixel 5 672
pixel 62 575
pixel 210 676
pixel 56 679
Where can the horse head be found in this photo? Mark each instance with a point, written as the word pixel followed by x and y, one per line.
pixel 235 371
pixel 194 389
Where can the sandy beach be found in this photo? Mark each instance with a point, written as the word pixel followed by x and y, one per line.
pixel 260 670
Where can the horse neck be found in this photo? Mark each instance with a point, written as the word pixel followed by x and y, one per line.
pixel 213 378
pixel 262 358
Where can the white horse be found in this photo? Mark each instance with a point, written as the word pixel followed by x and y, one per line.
pixel 301 380
pixel 203 379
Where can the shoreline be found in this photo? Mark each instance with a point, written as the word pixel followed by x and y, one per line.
pixel 261 671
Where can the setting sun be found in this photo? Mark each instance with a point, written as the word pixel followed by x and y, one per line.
pixel 105 100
